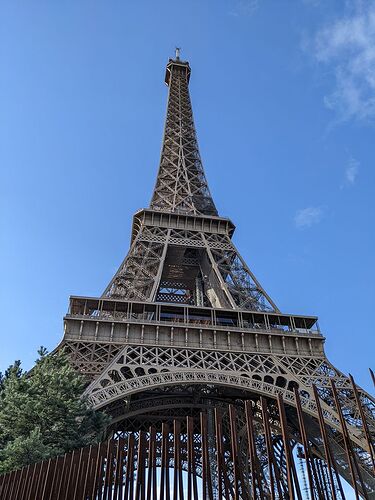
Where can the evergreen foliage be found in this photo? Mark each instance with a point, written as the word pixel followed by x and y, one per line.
pixel 42 412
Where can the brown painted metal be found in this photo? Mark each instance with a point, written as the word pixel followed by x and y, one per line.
pixel 164 460
pixel 178 489
pixel 190 455
pixel 150 461
pixel 327 450
pixel 250 445
pixel 272 465
pixel 269 447
pixel 192 473
pixel 206 476
pixel 370 442
pixel 129 467
pixel 234 450
pixel 348 446
pixel 285 436
pixel 324 486
pixel 140 479
pixel 106 471
pixel 254 461
pixel 87 473
pixel 305 444
pixel 222 475
pixel 338 480
pixel 176 452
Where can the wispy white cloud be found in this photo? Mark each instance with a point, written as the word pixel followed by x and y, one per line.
pixel 243 7
pixel 346 47
pixel 351 172
pixel 306 217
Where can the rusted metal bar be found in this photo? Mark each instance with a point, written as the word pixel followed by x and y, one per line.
pixel 192 474
pixel 164 460
pixel 140 483
pixel 13 482
pixel 117 471
pixel 3 484
pixel 32 481
pixel 25 483
pixel 107 469
pixel 131 470
pixel 121 470
pixel 41 466
pixel 268 445
pixel 49 486
pixel 129 467
pixel 270 451
pixel 324 486
pixel 150 461
pixel 305 443
pixel 87 473
pixel 178 487
pixel 327 450
pixel 234 451
pixel 370 443
pixel 35 483
pixel 167 475
pixel 190 452
pixel 277 472
pixel 291 471
pixel 337 475
pixel 97 484
pixel 111 477
pixel 285 438
pixel 154 476
pixel 56 467
pixel 9 477
pixel 16 482
pixel 76 482
pixel 175 460
pixel 61 478
pixel 250 444
pixel 219 452
pixel 256 476
pixel 206 476
pixel 92 472
pixel 70 474
pixel 348 446
pixel 20 480
pixel 295 477
pixel 3 479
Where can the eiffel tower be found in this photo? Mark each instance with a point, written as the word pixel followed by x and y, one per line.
pixel 184 337
pixel 185 326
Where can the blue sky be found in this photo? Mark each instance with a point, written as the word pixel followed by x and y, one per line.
pixel 284 103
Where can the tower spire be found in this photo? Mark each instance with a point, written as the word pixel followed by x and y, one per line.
pixel 181 185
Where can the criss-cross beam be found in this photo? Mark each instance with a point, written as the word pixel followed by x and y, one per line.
pixel 181 184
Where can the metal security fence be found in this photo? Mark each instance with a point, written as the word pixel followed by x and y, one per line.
pixel 246 451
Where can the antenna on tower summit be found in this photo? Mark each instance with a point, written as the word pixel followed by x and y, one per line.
pixel 178 53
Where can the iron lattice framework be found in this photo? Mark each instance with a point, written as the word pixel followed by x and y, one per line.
pixel 185 342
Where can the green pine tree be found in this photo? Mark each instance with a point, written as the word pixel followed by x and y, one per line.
pixel 42 412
